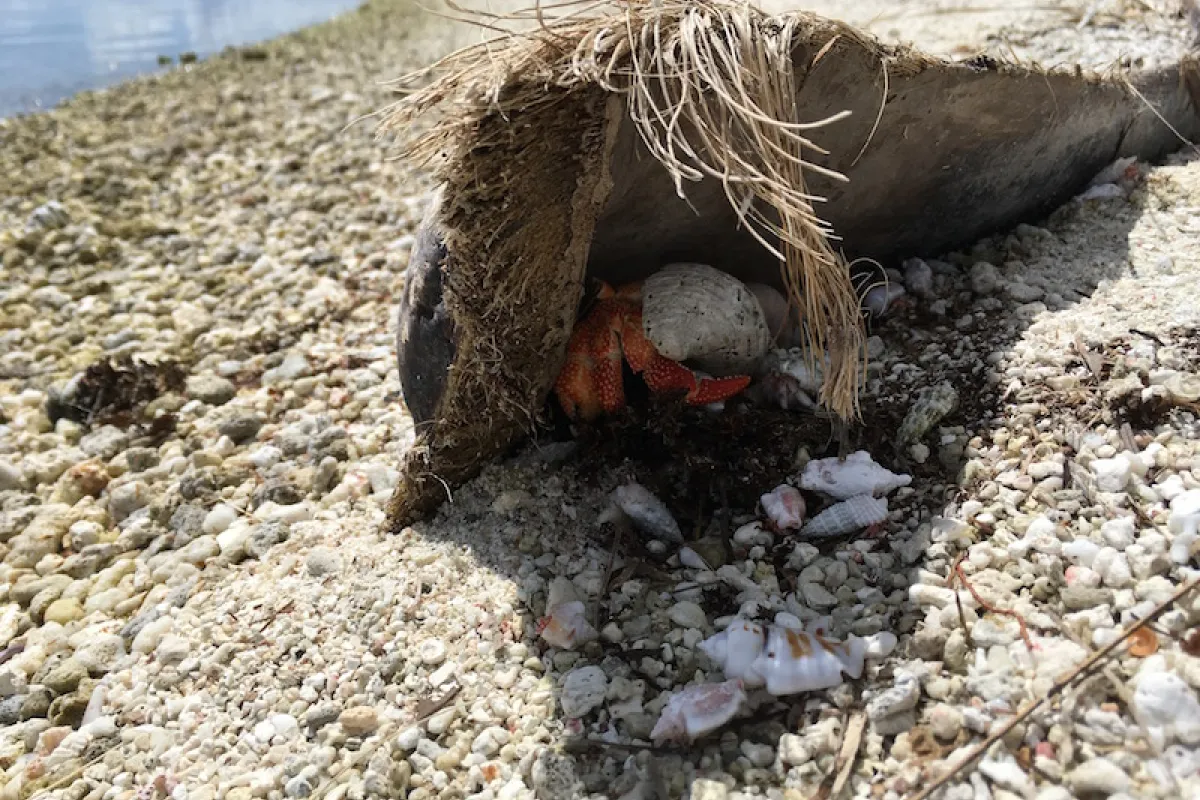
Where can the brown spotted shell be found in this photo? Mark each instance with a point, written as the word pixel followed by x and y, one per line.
pixel 698 314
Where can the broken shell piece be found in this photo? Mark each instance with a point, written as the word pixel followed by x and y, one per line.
pixel 649 514
pixel 566 626
pixel 796 661
pixel 848 516
pixel 845 478
pixel 696 313
pixel 736 649
pixel 932 405
pixel 697 710
pixel 784 507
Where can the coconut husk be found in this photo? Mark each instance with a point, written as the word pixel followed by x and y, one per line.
pixel 620 136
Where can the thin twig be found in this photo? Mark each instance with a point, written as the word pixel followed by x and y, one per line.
pixel 1058 686
pixel 986 606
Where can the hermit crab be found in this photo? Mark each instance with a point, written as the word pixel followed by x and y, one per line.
pixel 685 312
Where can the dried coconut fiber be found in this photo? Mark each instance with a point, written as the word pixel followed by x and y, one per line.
pixel 616 137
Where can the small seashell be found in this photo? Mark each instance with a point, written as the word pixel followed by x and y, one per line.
pixel 697 710
pixel 784 507
pixel 932 405
pixel 848 516
pixel 845 478
pixel 1183 388
pixel 735 649
pixel 649 514
pixel 796 661
pixel 565 625
pixel 696 313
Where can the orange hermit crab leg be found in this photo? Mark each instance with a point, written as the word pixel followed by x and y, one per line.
pixel 663 375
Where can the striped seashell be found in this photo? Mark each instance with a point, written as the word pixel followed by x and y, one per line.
pixel 697 710
pixel 796 661
pixel 736 648
pixel 847 516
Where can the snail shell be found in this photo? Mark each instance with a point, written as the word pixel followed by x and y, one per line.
pixel 848 516
pixel 845 478
pixel 932 405
pixel 804 661
pixel 698 709
pixel 696 313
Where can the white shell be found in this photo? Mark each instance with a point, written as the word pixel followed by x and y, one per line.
pixel 697 710
pixel 735 649
pixel 696 313
pixel 856 474
pixel 796 661
pixel 648 513
pixel 784 507
pixel 848 516
pixel 566 626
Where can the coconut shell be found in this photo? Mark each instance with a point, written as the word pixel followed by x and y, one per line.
pixel 547 181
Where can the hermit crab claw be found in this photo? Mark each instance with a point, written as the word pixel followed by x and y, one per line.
pixel 591 383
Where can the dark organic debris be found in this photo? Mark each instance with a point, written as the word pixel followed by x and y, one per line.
pixel 114 391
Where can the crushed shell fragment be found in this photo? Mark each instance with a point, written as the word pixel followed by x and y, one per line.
pixel 566 626
pixel 698 709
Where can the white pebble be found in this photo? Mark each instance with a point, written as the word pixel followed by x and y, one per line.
pixel 686 614
pixel 1119 533
pixel 1112 474
pixel 582 690
pixel 220 518
pixel 432 652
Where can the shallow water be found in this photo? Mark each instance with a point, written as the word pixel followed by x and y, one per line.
pixel 50 49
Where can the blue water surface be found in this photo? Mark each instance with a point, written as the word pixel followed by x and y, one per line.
pixel 50 49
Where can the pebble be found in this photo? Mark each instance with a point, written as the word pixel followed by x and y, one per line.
pixel 945 721
pixel 322 561
pixel 218 519
pixel 432 652
pixel 63 611
pixel 1097 777
pixel 686 614
pixel 241 427
pixel 211 389
pixel 66 677
pixel 359 721
pixel 985 278
pixel 583 689
pixel 1112 474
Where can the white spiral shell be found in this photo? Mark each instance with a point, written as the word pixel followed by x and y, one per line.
pixel 848 516
pixel 805 661
pixel 698 709
pixel 696 313
pixel 845 478
pixel 736 648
